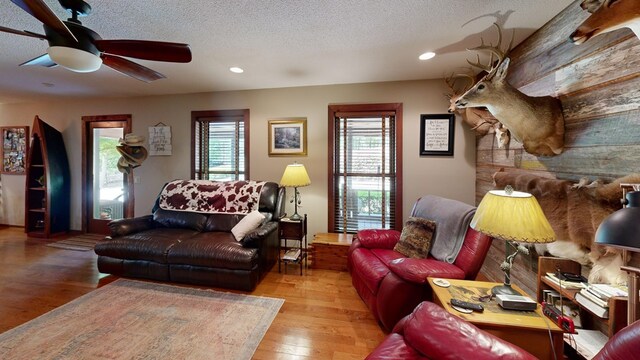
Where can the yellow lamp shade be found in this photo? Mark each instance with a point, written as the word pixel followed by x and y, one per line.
pixel 512 215
pixel 295 175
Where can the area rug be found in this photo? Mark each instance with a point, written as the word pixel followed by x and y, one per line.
pixel 130 319
pixel 83 242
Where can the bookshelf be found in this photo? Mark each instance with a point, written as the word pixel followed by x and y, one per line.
pixel 47 185
pixel 617 305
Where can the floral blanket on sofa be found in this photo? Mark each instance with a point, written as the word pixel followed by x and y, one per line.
pixel 205 196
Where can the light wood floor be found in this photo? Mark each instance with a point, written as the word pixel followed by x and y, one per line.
pixel 322 317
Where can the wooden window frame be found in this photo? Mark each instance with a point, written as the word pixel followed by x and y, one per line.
pixel 221 115
pixel 364 109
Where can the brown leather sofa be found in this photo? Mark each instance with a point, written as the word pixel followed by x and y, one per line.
pixel 195 248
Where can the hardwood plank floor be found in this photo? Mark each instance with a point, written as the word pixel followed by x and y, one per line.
pixel 322 317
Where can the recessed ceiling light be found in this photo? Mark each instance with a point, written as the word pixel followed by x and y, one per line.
pixel 236 70
pixel 426 56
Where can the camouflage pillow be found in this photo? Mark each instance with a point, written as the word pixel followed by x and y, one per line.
pixel 415 240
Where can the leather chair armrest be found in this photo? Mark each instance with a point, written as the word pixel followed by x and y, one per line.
pixel 255 237
pixel 417 270
pixel 122 227
pixel 378 238
pixel 434 332
pixel 623 345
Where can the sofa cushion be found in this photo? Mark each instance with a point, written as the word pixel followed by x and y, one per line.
pixel 417 270
pixel 415 239
pixel 180 219
pixel 215 250
pixel 248 223
pixel 151 245
pixel 394 347
pixel 386 256
pixel 369 268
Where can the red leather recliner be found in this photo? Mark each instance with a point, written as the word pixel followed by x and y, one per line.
pixel 391 284
pixel 430 332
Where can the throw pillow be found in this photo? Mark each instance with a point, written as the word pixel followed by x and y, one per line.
pixel 415 240
pixel 250 222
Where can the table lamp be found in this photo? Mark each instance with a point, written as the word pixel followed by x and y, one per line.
pixel 295 176
pixel 622 230
pixel 515 217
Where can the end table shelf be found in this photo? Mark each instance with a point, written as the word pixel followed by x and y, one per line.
pixel 292 230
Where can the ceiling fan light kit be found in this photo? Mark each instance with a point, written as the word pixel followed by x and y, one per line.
pixel 74 59
pixel 80 49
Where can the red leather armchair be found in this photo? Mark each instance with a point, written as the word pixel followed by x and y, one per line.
pixel 430 332
pixel 392 285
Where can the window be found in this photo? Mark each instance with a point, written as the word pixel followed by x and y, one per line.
pixel 220 141
pixel 365 179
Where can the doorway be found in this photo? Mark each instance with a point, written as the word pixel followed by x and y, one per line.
pixel 107 194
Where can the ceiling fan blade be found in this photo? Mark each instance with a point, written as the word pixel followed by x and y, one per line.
pixel 42 60
pixel 22 32
pixel 39 10
pixel 147 50
pixel 130 68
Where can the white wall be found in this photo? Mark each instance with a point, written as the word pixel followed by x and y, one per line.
pixel 452 177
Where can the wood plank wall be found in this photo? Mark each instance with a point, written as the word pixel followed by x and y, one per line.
pixel 598 84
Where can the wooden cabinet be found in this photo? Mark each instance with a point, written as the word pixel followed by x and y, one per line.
pixel 47 198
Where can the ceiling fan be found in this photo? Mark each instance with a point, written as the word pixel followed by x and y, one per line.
pixel 80 49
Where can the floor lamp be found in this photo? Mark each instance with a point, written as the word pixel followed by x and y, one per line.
pixel 515 217
pixel 622 230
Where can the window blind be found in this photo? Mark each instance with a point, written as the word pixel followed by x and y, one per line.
pixel 219 148
pixel 364 172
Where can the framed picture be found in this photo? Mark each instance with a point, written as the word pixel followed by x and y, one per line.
pixel 288 137
pixel 15 147
pixel 436 134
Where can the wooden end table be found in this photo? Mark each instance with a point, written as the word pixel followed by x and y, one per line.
pixel 329 251
pixel 526 329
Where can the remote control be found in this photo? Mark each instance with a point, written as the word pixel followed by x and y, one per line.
pixel 467 305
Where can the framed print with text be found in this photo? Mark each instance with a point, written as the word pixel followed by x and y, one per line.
pixel 436 134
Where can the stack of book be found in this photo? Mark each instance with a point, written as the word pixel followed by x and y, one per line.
pixel 595 297
pixel 567 280
pixel 291 255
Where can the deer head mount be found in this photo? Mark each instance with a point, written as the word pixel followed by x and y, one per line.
pixel 479 120
pixel 536 122
pixel 606 16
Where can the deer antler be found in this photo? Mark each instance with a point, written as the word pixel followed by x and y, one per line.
pixel 494 50
pixel 451 81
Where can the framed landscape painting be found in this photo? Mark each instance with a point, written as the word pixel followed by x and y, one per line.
pixel 288 137
pixel 15 147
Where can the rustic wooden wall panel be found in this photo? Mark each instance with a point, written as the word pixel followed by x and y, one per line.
pixel 598 84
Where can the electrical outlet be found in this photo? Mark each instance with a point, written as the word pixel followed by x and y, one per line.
pixel 136 179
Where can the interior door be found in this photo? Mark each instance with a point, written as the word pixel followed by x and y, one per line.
pixel 107 193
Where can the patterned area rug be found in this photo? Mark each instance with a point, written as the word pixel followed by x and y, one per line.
pixel 83 242
pixel 130 319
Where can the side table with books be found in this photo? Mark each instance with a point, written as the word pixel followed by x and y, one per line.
pixel 296 253
pixel 600 312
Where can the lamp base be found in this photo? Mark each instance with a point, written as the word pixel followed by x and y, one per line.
pixel 503 290
pixel 295 216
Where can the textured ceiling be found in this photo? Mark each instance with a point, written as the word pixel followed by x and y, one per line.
pixel 279 43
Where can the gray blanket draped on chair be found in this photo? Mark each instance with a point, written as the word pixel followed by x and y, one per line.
pixel 452 219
